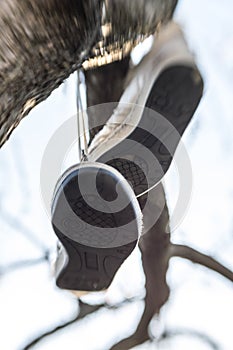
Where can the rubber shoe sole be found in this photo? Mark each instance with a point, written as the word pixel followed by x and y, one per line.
pixel 135 154
pixel 97 227
pixel 169 108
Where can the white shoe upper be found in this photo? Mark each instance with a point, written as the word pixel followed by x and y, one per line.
pixel 169 48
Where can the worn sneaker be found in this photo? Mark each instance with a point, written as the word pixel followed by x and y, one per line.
pixel 141 137
pixel 97 220
pixel 95 213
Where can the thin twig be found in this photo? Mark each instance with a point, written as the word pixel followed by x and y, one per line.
pixel 16 224
pixel 191 333
pixel 83 311
pixel 22 264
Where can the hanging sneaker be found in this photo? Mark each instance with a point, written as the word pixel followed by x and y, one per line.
pixel 164 90
pixel 98 221
pixel 95 213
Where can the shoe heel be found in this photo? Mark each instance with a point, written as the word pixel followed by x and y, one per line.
pixel 97 219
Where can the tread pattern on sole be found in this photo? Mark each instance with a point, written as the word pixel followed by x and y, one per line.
pixel 96 241
pixel 88 268
pixel 175 95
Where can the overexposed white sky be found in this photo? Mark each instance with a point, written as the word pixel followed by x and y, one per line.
pixel 200 300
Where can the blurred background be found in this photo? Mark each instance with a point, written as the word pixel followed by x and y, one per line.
pixel 198 314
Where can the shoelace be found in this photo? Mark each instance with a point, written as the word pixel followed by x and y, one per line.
pixel 82 128
pixel 82 121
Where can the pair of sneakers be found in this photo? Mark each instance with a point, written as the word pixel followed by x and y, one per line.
pixel 96 214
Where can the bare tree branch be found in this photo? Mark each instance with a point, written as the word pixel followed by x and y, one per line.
pixel 16 224
pixel 42 42
pixel 83 311
pixel 154 246
pixel 193 255
pixel 100 89
pixel 22 264
pixel 191 333
pixel 134 340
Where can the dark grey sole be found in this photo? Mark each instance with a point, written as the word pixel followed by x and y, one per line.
pixel 98 234
pixel 175 95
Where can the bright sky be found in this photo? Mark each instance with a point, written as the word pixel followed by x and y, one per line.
pixel 200 300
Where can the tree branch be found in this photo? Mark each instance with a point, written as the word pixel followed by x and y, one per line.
pixel 154 245
pixel 191 333
pixel 22 264
pixel 83 311
pixel 42 42
pixel 193 255
pixel 16 224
